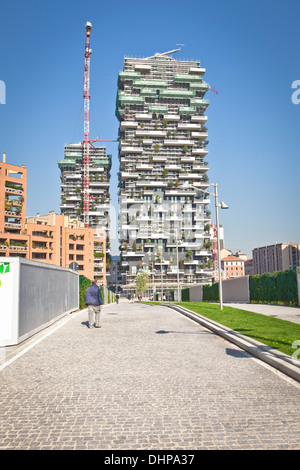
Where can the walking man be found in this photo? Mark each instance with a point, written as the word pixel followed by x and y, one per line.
pixel 93 299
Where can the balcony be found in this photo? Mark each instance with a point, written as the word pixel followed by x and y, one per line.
pixel 199 102
pixel 128 125
pixel 130 99
pixel 141 132
pixel 127 149
pixel 187 78
pixel 151 92
pixel 188 126
pixel 13 190
pixel 186 110
pixel 201 119
pixel 146 117
pixel 200 151
pixel 158 108
pixel 199 87
pixel 175 93
pixel 129 75
pixel 129 175
pixel 200 135
pixel 150 83
pixel 178 142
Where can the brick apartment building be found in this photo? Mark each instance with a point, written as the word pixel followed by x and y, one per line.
pixel 232 266
pixel 278 257
pixel 51 238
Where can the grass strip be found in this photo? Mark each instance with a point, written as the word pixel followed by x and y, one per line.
pixel 274 332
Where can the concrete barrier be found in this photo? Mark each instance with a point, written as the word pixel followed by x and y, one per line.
pixel 32 296
pixel 196 293
pixel 236 289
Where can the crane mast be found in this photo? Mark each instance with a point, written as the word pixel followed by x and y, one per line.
pixel 86 140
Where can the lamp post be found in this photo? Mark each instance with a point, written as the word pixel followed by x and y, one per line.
pixel 222 205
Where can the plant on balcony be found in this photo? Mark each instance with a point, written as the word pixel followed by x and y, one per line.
pixel 156 148
pixel 185 149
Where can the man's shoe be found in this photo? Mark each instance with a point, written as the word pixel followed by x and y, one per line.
pixel 90 326
pixel 97 326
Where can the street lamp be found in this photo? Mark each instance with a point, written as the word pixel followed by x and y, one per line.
pixel 222 205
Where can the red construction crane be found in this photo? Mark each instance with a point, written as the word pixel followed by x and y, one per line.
pixel 86 140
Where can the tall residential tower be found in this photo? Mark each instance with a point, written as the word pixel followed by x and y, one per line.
pixel 165 226
pixel 72 184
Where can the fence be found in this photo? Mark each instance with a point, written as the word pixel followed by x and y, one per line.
pixel 276 288
pixel 32 296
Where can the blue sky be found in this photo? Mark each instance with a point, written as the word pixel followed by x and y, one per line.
pixel 250 49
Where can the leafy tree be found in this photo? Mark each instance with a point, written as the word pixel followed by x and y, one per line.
pixel 141 282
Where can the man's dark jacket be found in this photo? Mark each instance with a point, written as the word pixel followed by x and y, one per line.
pixel 93 296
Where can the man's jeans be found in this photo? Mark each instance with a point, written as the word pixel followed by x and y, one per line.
pixel 94 314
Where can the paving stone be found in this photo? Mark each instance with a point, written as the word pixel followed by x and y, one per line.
pixel 148 379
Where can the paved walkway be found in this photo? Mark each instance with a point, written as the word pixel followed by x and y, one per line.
pixel 278 311
pixel 150 378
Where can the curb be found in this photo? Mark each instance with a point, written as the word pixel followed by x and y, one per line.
pixel 273 357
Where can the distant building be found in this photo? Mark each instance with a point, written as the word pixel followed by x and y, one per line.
pixel 278 257
pixel 51 238
pixel 72 184
pixel 232 266
pixel 114 276
pixel 248 266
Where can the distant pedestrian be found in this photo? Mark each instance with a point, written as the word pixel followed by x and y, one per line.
pixel 93 299
pixel 132 298
pixel 129 297
pixel 117 298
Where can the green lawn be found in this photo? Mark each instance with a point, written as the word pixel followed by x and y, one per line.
pixel 279 334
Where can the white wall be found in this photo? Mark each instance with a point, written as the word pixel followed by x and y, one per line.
pixel 236 289
pixel 32 296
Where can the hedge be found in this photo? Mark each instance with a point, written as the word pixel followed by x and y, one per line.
pixel 211 292
pixel 84 283
pixel 278 287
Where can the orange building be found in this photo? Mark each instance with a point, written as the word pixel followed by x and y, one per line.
pixel 232 266
pixel 51 238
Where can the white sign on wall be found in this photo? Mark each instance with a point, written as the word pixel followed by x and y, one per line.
pixel 6 301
